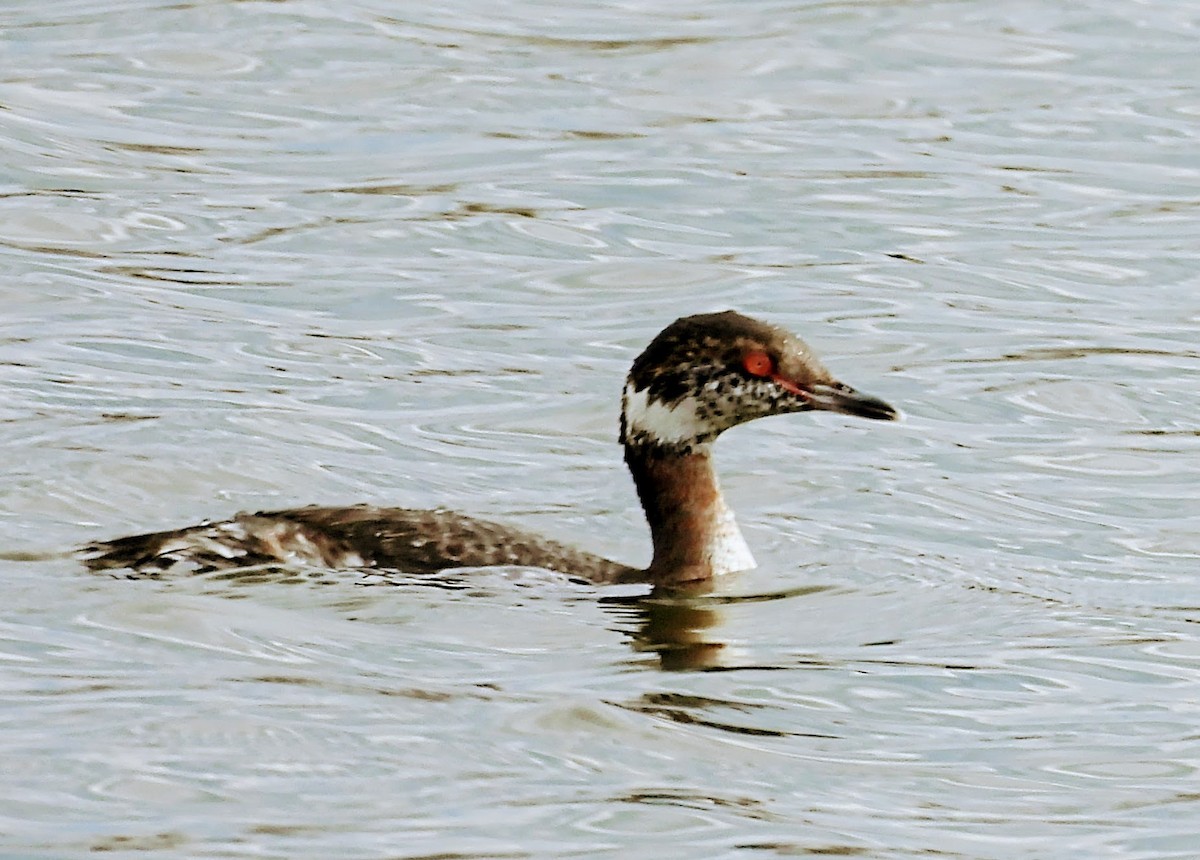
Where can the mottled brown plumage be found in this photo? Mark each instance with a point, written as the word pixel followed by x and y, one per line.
pixel 414 541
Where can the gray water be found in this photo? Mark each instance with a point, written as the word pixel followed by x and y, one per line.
pixel 259 254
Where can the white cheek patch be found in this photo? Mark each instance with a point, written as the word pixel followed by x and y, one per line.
pixel 669 425
pixel 694 420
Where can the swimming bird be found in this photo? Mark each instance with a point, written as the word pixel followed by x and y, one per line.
pixel 700 376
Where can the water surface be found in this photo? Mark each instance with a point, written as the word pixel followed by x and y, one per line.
pixel 262 254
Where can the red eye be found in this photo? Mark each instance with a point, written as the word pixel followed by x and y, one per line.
pixel 758 364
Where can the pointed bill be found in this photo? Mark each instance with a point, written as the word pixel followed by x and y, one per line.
pixel 838 397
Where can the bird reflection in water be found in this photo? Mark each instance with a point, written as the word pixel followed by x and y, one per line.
pixel 682 624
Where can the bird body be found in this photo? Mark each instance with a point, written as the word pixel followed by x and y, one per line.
pixel 700 376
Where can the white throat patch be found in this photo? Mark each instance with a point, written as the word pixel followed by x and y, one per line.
pixel 729 551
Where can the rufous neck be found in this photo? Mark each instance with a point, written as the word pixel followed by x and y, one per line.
pixel 694 533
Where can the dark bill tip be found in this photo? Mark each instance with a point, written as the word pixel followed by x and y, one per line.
pixel 844 399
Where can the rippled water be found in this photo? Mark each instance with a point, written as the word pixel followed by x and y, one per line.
pixel 258 254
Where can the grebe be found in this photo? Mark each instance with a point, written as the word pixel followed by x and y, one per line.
pixel 700 376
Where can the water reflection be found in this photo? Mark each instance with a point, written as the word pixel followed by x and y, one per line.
pixel 680 627
pixel 681 624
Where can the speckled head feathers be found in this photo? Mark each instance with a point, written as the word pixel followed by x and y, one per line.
pixel 706 373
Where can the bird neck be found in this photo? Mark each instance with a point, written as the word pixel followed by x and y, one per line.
pixel 695 534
